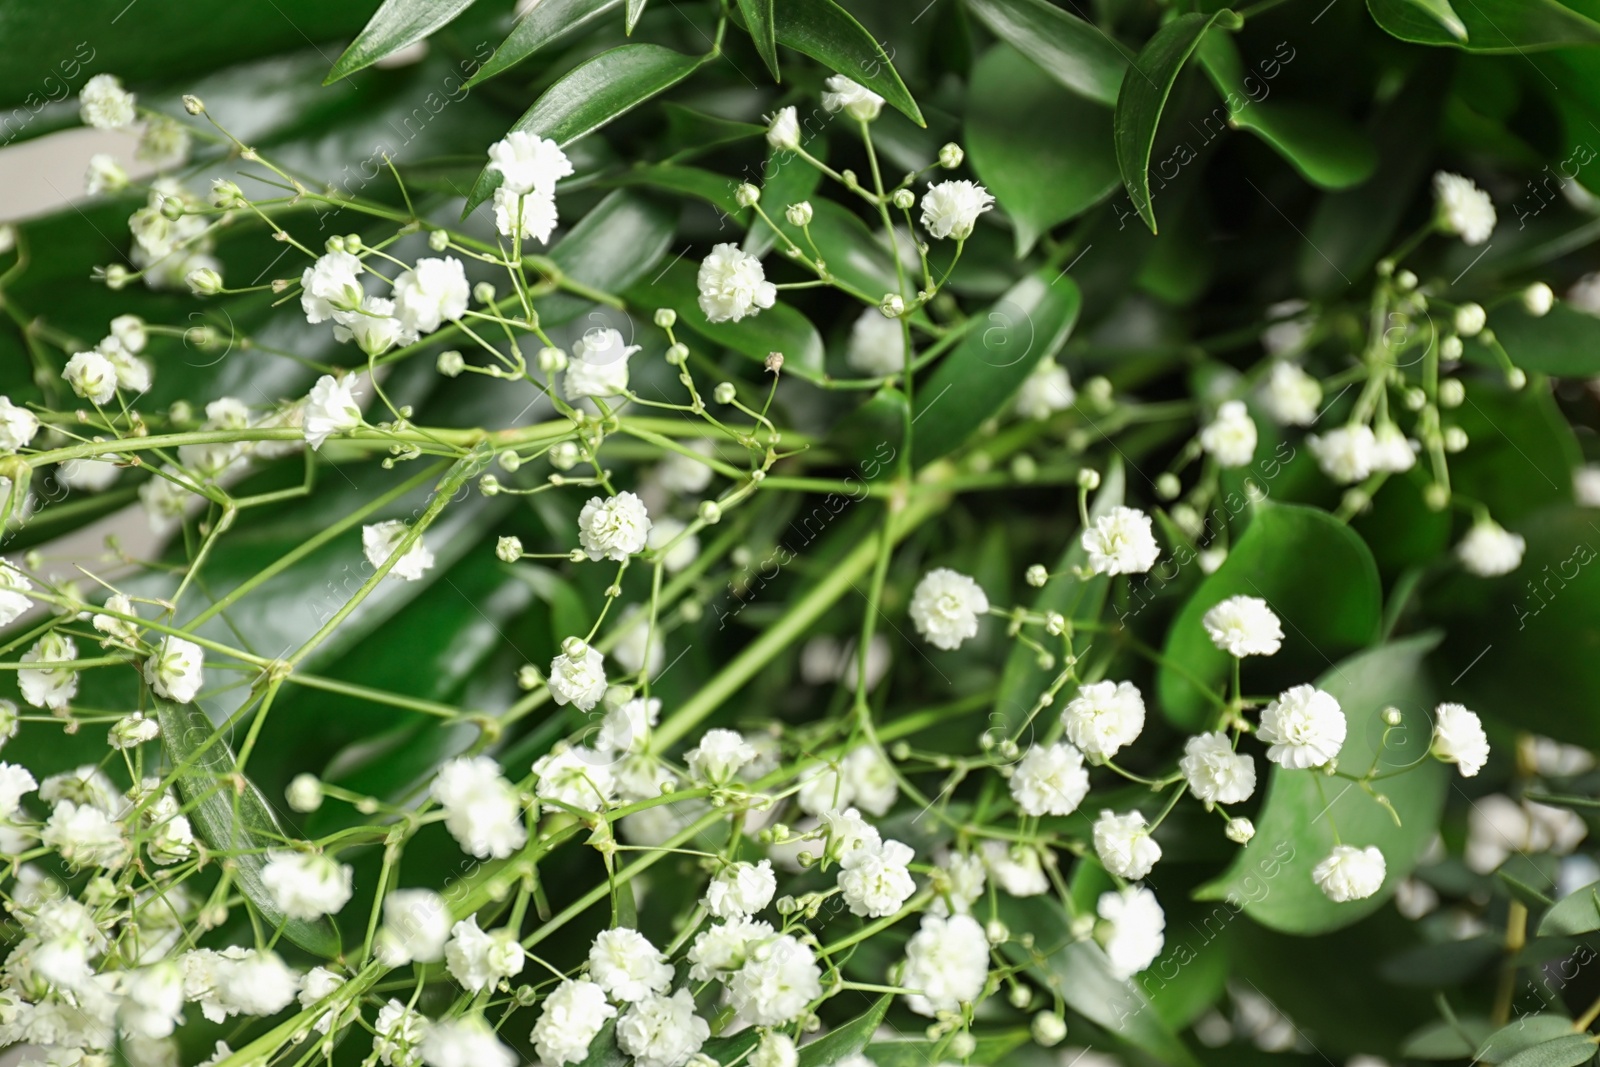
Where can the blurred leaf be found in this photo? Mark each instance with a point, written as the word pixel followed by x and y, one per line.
pixel 230 815
pixel 1576 914
pixel 1446 1040
pixel 1295 827
pixel 1442 963
pixel 787 179
pixel 1042 174
pixel 1527 1032
pixel 830 35
pixel 1568 1051
pixel 395 25
pixel 544 22
pixel 635 9
pixel 715 189
pixel 1522 451
pixel 1445 15
pixel 847 1039
pixel 1564 341
pixel 760 21
pixel 920 1052
pixel 1075 53
pixel 1327 610
pixel 1492 26
pixel 779 328
pixel 974 381
pixel 618 242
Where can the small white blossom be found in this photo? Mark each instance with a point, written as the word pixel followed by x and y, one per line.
pixel 877 345
pixel 1230 438
pixel 719 756
pixel 947 961
pixel 1392 451
pixel 1215 772
pixel 599 365
pixel 578 675
pixel 1462 208
pixel 133 730
pixel 1586 486
pixel 104 104
pixel 175 669
pixel 577 777
pixel 380 540
pixel 1458 738
pixel 662 1031
pixel 1103 717
pixel 479 959
pixel 1135 931
pixel 1016 868
pixel 17 426
pixel 331 285
pixel 85 836
pixel 534 213
pixel 1290 330
pixel 433 291
pixel 571 1017
pixel 724 947
pixel 331 409
pixel 613 527
pixel 398 1035
pixel 1050 780
pixel 1350 873
pixel 1121 542
pixel 664 532
pixel 875 880
pixel 306 885
pixel 1244 626
pixel 14 590
pixel 49 687
pixel 960 880
pixel 1046 390
pixel 741 889
pixel 733 285
pixel 1290 395
pixel 951 209
pixel 416 926
pixel 783 133
pixel 372 326
pixel 627 965
pixel 1346 454
pixel 1124 844
pixel 779 980
pixel 857 101
pixel 1305 727
pixel 527 163
pixel 92 376
pixel 466 1042
pixel 945 607
pixel 1489 549
pixel 481 809
pixel 318 984
pixel 104 175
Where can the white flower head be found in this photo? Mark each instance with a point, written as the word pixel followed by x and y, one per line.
pixel 398 1035
pixel 1121 542
pixel 380 540
pixel 741 889
pixel 877 345
pixel 951 208
pixel 372 326
pixel 416 926
pixel 875 880
pixel 85 836
pixel 1103 717
pixel 49 687
pixel 1305 727
pixel 627 965
pixel 577 777
pixel 783 132
pixel 1290 395
pixel 599 365
pixel 1230 438
pixel 14 589
pixel 947 962
pixel 17 426
pixel 578 675
pixel 1046 390
pixel 1050 780
pixel 855 100
pixel 1124 844
pixel 778 981
pixel 1244 626
pixel 1016 868
pixel 104 104
pixel 571 1017
pixel 733 285
pixel 945 607
pixel 527 163
pixel 719 756
pixel 481 809
pixel 1489 549
pixel 613 527
pixel 535 213
pixel 1134 929
pixel 176 669
pixel 1350 873
pixel 467 1042
pixel 1215 772
pixel 1462 208
pixel 662 1031
pixel 92 376
pixel 1392 451
pixel 331 409
pixel 433 291
pixel 306 885
pixel 1346 454
pixel 480 959
pixel 1458 738
pixel 331 285
pixel 724 947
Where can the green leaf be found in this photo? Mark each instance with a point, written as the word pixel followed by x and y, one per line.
pixel 1328 610
pixel 715 189
pixel 1322 145
pixel 1529 1031
pixel 759 20
pixel 230 815
pixel 1295 827
pixel 395 25
pixel 1079 972
pixel 1568 1051
pixel 1445 1039
pixel 618 242
pixel 847 1039
pixel 1075 53
pixel 920 1052
pixel 853 253
pixel 975 381
pixel 830 35
pixel 591 95
pixel 544 22
pixel 1523 455
pixel 635 9
pixel 1576 914
pixel 779 328
pixel 786 179
pixel 1563 342
pixel 733 1048
pixel 1445 15
pixel 1145 88
pixel 1042 174
pixel 1492 26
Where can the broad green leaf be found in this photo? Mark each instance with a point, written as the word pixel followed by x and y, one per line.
pixel 1079 973
pixel 715 189
pixel 1567 1051
pixel 230 815
pixel 591 95
pixel 853 253
pixel 1447 1040
pixel 635 9
pixel 847 1039
pixel 1295 826
pixel 1145 88
pixel 544 22
pixel 1492 26
pixel 1041 173
pixel 1563 342
pixel 1321 144
pixel 617 243
pixel 1078 54
pixel 732 1049
pixel 759 20
pixel 1445 15
pixel 920 1052
pixel 779 328
pixel 697 130
pixel 830 35
pixel 1573 915
pixel 975 381
pixel 395 25
pixel 787 179
pixel 1523 450
pixel 1527 1032
pixel 1328 610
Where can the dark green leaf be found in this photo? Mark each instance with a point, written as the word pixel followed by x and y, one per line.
pixel 1523 455
pixel 1448 1040
pixel 230 815
pixel 635 9
pixel 758 19
pixel 397 24
pixel 544 22
pixel 697 130
pixel 1527 1032
pixel 975 381
pixel 853 253
pixel 1568 1051
pixel 1492 26
pixel 715 189
pixel 1145 88
pixel 779 328
pixel 1564 341
pixel 847 1039
pixel 829 34
pixel 1573 915
pixel 1042 174
pixel 618 242
pixel 1079 55
pixel 1445 15
pixel 785 180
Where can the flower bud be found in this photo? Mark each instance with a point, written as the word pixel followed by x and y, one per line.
pixel 1415 399
pixel 774 362
pixel 963 1045
pixel 1089 479
pixel 904 199
pixel 489 485
pixel 438 240
pixel 784 131
pixel 1168 486
pixel 193 104
pixel 666 318
pixel 483 293
pixel 1455 439
pixel 799 214
pixel 1538 299
pixel 746 195
pixel 1470 319
pixel 451 363
pixel 1516 378
pixel 226 194
pixel 1055 623
pixel 552 360
pixel 677 354
pixel 1450 347
pixel 1405 281
pixel 203 281
pixel 724 393
pixel 1037 575
pixel 950 156
pixel 892 306
pixel 1020 996
pixel 1392 716
pixel 1099 390
pixel 304 793
pixel 1240 831
pixel 172 209
pixel 528 677
pixel 996 931
pixel 1048 1029
pixel 565 455
pixel 1452 392
pixel 1436 496
pixel 508 549
pixel 710 512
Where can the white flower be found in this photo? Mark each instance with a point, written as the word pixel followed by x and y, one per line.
pixel 163 143
pixel 535 212
pixel 1498 826
pixel 1121 542
pixel 380 540
pixel 741 889
pixel 857 101
pixel 1552 759
pixel 869 779
pixel 88 475
pixel 724 947
pixel 662 1031
pixel 1124 844
pixel 331 408
pixel 92 376
pixel 599 365
pixel 85 836
pixel 1016 868
pixel 777 1049
pixel 1046 390
pixel 875 880
pixel 1586 486
pixel 1304 726
pixel 1350 873
pixel 571 1017
pixel 330 285
pixel 947 961
pixel 779 980
pixel 1215 772
pixel 49 687
pixel 681 474
pixel 1244 626
pixel 1135 929
pixel 15 783
pixel 951 209
pixel 318 984
pixel 1463 209
pixel 431 292
pixel 1290 329
pixel 306 885
pixel 578 675
pixel 17 426
pixel 133 730
pixel 119 632
pixel 1392 451
pixel 1346 454
pixel 733 285
pixel 372 327
pixel 14 589
pixel 1050 780
pixel 527 163
pixel 719 756
pixel 467 1042
pixel 238 981
pixel 481 809
pixel 945 607
pixel 1103 717
pixel 1290 395
pixel 1489 549
pixel 577 777
pixel 959 881
pixel 613 527
pixel 877 345
pixel 416 925
pixel 1230 438
pixel 783 133
pixel 152 1000
pixel 1458 738
pixel 627 965
pixel 664 532
pixel 104 104
pixel 626 727
pixel 479 959
pixel 848 830
pixel 398 1035
pixel 105 175
pixel 176 669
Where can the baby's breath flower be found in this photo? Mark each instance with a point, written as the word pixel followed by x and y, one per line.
pixel 1350 873
pixel 1305 727
pixel 1103 717
pixel 951 208
pixel 306 885
pixel 733 285
pixel 1121 542
pixel 1490 550
pixel 1244 626
pixel 380 541
pixel 945 608
pixel 1462 208
pixel 1050 780
pixel 857 101
pixel 105 104
pixel 1458 738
